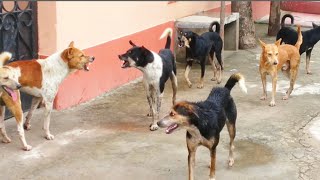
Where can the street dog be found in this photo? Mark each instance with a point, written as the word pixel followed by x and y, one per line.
pixel 9 92
pixel 199 48
pixel 157 69
pixel 275 57
pixel 290 36
pixel 41 79
pixel 204 121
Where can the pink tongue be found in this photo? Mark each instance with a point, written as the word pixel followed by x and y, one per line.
pixel 12 93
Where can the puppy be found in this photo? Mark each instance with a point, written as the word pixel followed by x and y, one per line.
pixel 41 79
pixel 9 84
pixel 198 48
pixel 204 121
pixel 275 57
pixel 157 69
pixel 290 36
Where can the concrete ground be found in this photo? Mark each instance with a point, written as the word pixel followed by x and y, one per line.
pixel 109 137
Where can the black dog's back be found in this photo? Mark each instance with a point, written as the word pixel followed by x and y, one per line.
pixel 219 105
pixel 168 61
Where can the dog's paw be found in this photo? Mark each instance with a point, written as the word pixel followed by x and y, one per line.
pixel 200 86
pixel 153 127
pixel 230 162
pixel 212 178
pixel 309 72
pixel 27 126
pixel 286 97
pixel 6 140
pixel 189 84
pixel 49 137
pixel 219 81
pixel 272 104
pixel 27 148
pixel 149 115
pixel 214 79
pixel 264 97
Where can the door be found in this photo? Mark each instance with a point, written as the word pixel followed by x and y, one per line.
pixel 18 35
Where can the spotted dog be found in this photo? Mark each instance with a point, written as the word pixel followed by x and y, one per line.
pixel 41 79
pixel 157 69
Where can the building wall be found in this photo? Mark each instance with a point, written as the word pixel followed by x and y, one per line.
pixel 103 29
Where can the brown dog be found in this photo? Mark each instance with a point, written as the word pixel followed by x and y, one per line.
pixel 275 57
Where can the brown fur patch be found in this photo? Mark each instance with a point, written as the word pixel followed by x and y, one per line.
pixel 189 107
pixel 31 73
pixel 75 58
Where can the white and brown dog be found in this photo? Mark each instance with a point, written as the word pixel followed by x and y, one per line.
pixel 41 79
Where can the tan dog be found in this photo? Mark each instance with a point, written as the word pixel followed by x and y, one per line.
pixel 275 57
pixel 11 98
pixel 41 79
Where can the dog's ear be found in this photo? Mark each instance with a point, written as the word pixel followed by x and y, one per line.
pixel 314 25
pixel 278 43
pixel 132 44
pixel 71 44
pixel 262 44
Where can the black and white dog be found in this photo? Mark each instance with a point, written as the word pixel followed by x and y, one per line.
pixel 198 48
pixel 157 69
pixel 290 36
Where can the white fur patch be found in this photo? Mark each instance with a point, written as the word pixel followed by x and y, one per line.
pixel 166 32
pixel 242 85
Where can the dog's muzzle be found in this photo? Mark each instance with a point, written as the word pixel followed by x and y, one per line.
pixel 125 61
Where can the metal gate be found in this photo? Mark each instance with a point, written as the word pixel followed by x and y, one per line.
pixel 18 35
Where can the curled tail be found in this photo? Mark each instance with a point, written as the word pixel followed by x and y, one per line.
pixel 167 32
pixel 4 57
pixel 300 38
pixel 284 18
pixel 215 23
pixel 234 78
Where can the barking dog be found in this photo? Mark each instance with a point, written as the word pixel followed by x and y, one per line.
pixel 41 79
pixel 9 84
pixel 205 120
pixel 199 48
pixel 157 69
pixel 290 36
pixel 275 57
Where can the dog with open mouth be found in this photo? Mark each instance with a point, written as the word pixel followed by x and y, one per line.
pixel 199 48
pixel 41 79
pixel 157 68
pixel 204 121
pixel 10 97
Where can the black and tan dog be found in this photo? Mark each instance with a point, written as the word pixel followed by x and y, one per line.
pixel 205 120
pixel 198 49
pixel 157 68
pixel 290 36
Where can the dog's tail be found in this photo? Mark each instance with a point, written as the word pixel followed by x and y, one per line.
pixel 167 32
pixel 300 38
pixel 214 23
pixel 284 18
pixel 236 78
pixel 4 57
